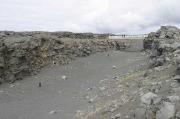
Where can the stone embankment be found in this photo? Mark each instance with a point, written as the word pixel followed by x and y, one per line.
pixel 25 53
pixel 152 93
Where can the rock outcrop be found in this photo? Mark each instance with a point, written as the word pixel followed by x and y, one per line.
pixel 165 32
pixel 25 53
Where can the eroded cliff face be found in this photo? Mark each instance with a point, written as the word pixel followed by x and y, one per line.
pixel 25 53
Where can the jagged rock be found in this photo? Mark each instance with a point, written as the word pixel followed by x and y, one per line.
pixel 159 62
pixel 168 32
pixel 176 89
pixel 53 112
pixel 165 32
pixel 178 70
pixel 177 78
pixel 140 113
pixel 177 60
pixel 117 116
pixel 177 115
pixel 150 98
pixel 167 111
pixel 174 98
pixel 174 85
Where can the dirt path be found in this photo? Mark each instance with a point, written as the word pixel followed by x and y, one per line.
pixel 58 98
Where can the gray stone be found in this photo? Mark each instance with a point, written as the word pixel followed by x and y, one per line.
pixel 177 78
pixel 140 113
pixel 178 69
pixel 167 111
pixel 174 85
pixel 117 116
pixel 175 45
pixel 178 115
pixel 64 77
pixel 177 90
pixel 174 98
pixel 150 98
pixel 177 60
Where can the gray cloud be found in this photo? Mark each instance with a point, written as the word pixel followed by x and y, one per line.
pixel 116 16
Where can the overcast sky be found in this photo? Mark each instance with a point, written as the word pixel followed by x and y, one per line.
pixel 102 16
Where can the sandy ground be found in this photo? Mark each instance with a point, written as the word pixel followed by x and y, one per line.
pixel 58 98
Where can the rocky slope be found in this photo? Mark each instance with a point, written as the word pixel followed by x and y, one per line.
pixel 152 93
pixel 25 53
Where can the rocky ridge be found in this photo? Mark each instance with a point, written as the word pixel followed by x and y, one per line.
pixel 25 53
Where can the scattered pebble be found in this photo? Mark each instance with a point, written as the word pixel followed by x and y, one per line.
pixel 114 67
pixel 52 112
pixel 92 99
pixel 64 77
pixel 114 77
pixel 102 88
pixel 117 116
pixel 89 89
pixel 12 85
pixel 59 92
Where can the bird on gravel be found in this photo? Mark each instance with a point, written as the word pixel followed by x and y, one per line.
pixel 39 84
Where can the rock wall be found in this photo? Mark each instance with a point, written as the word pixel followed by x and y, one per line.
pixel 24 54
pixel 164 45
pixel 55 34
pixel 164 33
pixel 165 57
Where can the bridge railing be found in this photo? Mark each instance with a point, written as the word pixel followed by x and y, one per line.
pixel 128 36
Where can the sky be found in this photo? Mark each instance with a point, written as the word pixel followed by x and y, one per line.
pixel 98 16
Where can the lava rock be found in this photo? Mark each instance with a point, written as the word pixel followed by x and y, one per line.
pixel 174 98
pixel 167 111
pixel 177 78
pixel 150 98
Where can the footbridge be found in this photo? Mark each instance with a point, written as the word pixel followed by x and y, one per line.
pixel 134 42
pixel 123 36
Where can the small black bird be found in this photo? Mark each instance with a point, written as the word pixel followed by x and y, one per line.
pixel 39 84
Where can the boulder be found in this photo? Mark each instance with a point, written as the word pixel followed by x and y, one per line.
pixel 174 98
pixel 167 111
pixel 177 78
pixel 150 98
pixel 140 113
pixel 178 115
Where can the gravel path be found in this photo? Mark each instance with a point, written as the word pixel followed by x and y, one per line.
pixel 63 87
